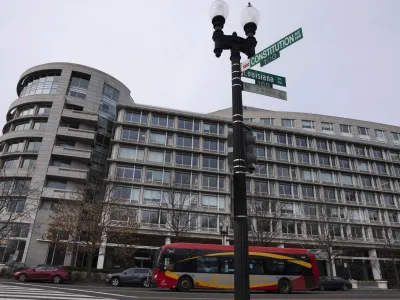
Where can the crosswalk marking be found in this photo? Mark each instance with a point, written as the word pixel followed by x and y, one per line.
pixel 21 292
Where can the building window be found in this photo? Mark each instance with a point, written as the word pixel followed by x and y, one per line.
pixel 396 136
pixel 40 83
pixel 126 193
pixel 137 135
pixel 162 121
pixel 260 187
pixel 188 160
pixel 347 179
pixel 283 172
pixel 393 217
pixel 57 184
pixel 280 139
pixel 213 128
pixel 288 123
pixel 322 145
pixel 307 192
pixel 326 177
pixel 110 92
pixel 66 144
pixel 209 222
pixel 363 131
pixel 394 156
pixel 381 168
pixel 303 157
pixel 22 126
pixel 366 182
pixel 10 164
pixel 388 200
pixel 9 248
pixel 362 166
pixel 380 134
pixel 136 117
pixel 105 125
pixel 191 125
pixel 341 148
pixel 370 198
pixel 186 179
pixel 162 157
pixel 131 153
pixel 78 85
pixel 26 111
pixel 301 141
pixel 360 151
pixel 34 146
pixel 306 175
pixel 28 163
pixel 310 210
pixel 214 145
pixel 153 218
pixel 345 128
pixel 282 155
pixel 385 184
pixel 326 126
pixel 213 202
pixel 329 194
pixel 350 196
pixel 259 135
pixel 312 228
pixel 260 152
pixel 215 163
pixel 190 142
pixel 16 147
pixel 129 173
pixel 16 206
pixel 248 120
pixel 378 153
pixel 161 138
pixel 267 121
pixel 39 125
pixel 44 110
pixel 61 163
pixel 285 189
pixel 102 141
pixel 157 176
pixel 307 124
pixel 344 163
pixel 356 232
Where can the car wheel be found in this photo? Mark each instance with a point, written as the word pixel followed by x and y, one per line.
pixel 321 287
pixel 284 286
pixel 115 281
pixel 185 284
pixel 344 287
pixel 57 279
pixel 22 278
pixel 145 283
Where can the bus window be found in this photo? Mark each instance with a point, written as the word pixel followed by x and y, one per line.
pixel 256 266
pixel 227 265
pixel 274 266
pixel 207 265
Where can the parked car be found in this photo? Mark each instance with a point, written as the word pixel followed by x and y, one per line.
pixel 133 276
pixel 334 283
pixel 43 273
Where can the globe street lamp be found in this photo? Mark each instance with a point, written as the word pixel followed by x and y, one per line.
pixel 223 230
pixel 219 12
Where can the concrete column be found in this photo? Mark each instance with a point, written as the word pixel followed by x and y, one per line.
pixel 376 268
pixel 331 272
pixel 281 246
pixel 102 253
pixel 167 240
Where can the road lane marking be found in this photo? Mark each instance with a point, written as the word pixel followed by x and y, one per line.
pixel 75 290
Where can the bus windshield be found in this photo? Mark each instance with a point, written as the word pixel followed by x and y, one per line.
pixel 156 260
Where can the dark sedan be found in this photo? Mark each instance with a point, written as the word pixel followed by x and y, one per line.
pixel 334 283
pixel 133 276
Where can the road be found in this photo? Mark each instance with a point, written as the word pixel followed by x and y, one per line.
pixel 12 290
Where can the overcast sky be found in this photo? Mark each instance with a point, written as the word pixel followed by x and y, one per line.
pixel 346 65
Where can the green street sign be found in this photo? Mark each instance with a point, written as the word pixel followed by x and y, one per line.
pixel 263 83
pixel 260 90
pixel 268 78
pixel 269 59
pixel 277 47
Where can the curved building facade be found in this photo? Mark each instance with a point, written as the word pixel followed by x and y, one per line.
pixel 72 121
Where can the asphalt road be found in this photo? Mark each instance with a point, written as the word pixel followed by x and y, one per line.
pixel 12 290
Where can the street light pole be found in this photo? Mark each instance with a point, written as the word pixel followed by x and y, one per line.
pixel 219 12
pixel 224 230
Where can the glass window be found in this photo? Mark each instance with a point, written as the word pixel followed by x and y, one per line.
pixel 260 187
pixel 137 135
pixel 283 171
pixel 153 217
pixel 380 134
pixel 155 196
pixel 280 138
pixel 366 182
pixel 39 125
pixel 136 117
pixel 360 150
pixel 22 126
pixel 105 125
pixel 209 222
pixel 110 92
pixel 187 179
pixel 385 183
pixel 57 184
pixel 267 121
pixel 210 162
pixel 345 128
pixel 344 163
pixel 301 141
pixel 303 157
pixel 282 155
pixel 259 135
pixel 15 206
pixel 248 120
pixel 285 189
pixel 389 200
pixel 310 209
pixel 289 123
pixel 129 173
pixel 161 138
pixel 326 177
pixel 213 145
pixel 378 153
pixel 162 121
pixel 362 130
pixel 163 157
pixel 370 198
pixel 42 82
pixel 187 160
pixel 61 163
pixel 394 156
pixel 28 163
pixel 329 194
pixel 126 193
pixel 26 111
pixel 44 110
pixel 260 152
pixel 33 146
pixel 347 179
pixel 322 145
pixel 381 168
pixel 188 142
pixel 78 85
pixel 307 191
pixel 324 160
pixel 157 176
pixel 396 136
pixel 10 164
pixel 211 264
pixel 307 124
pixel 213 182
pixel 326 126
pixel 131 153
pixel 192 125
pixel 213 128
pixel 350 196
pixel 341 148
pixel 362 165
pixel 213 202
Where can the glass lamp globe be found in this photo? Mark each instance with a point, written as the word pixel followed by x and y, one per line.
pixel 250 15
pixel 219 8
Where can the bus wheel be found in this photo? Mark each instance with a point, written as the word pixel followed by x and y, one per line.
pixel 185 284
pixel 284 286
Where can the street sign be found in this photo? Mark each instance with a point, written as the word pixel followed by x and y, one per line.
pixel 269 59
pixel 256 89
pixel 263 83
pixel 277 47
pixel 269 78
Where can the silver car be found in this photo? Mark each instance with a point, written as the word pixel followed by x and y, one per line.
pixel 133 276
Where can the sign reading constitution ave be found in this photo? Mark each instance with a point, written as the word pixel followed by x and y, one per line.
pixel 269 78
pixel 269 59
pixel 257 89
pixel 277 47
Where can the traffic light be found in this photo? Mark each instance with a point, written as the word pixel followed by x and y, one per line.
pixel 249 142
pixel 250 157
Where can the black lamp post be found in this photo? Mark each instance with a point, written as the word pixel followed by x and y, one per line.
pixel 219 12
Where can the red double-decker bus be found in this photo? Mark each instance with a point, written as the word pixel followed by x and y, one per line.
pixel 185 266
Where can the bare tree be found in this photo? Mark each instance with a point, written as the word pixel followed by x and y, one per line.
pixel 327 235
pixel 179 211
pixel 391 248
pixel 264 230
pixel 18 202
pixel 94 216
